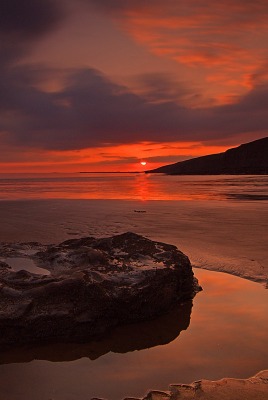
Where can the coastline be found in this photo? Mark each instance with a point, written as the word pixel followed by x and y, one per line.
pixel 253 388
pixel 218 236
pixel 219 341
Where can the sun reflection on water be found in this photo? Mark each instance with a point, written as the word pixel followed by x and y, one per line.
pixel 137 186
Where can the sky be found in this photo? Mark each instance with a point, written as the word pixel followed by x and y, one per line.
pixel 100 85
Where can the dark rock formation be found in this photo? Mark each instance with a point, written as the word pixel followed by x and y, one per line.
pixel 250 158
pixel 122 339
pixel 94 285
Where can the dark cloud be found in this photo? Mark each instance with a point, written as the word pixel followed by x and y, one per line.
pixel 163 87
pixel 28 18
pixel 247 115
pixel 119 161
pixel 23 22
pixel 186 7
pixel 254 101
pixel 93 111
pixel 168 159
pixel 118 5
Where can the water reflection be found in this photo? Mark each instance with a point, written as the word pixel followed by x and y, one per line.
pixel 136 186
pixel 143 335
pixel 26 264
pixel 143 186
pixel 227 337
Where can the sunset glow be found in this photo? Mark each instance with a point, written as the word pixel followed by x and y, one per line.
pixel 114 158
pixel 133 185
pixel 171 82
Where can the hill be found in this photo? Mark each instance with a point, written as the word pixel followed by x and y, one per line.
pixel 249 158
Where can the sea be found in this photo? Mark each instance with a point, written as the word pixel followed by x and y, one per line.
pixel 132 186
pixel 220 222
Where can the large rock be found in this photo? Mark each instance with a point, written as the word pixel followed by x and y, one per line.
pixel 122 339
pixel 94 285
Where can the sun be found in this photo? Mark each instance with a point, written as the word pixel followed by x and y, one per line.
pixel 143 163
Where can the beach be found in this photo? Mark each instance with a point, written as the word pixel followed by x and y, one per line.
pixel 220 236
pixel 225 335
pixel 133 200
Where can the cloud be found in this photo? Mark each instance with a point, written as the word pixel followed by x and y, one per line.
pixel 23 22
pixel 224 43
pixel 91 110
pixel 119 5
pixel 30 18
pixel 168 159
pixel 163 87
pixel 57 110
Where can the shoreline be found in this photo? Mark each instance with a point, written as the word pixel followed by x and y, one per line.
pixel 253 388
pixel 256 279
pixel 190 346
pixel 221 236
pixel 218 236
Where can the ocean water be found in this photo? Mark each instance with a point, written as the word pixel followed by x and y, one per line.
pixel 136 186
pixel 220 222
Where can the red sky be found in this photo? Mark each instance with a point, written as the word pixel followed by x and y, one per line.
pixel 100 85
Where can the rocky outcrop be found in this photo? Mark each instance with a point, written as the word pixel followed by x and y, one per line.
pixel 122 339
pixel 255 388
pixel 94 285
pixel 250 158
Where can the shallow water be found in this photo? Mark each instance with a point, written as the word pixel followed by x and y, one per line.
pixel 21 263
pixel 227 336
pixel 137 186
pixel 220 222
pixel 222 235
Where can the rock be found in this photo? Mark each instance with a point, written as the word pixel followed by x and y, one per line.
pixel 157 395
pixel 255 388
pixel 94 285
pixel 122 339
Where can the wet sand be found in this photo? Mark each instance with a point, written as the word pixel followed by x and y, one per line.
pixel 216 235
pixel 227 236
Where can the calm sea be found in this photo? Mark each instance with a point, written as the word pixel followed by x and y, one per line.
pixel 220 222
pixel 138 186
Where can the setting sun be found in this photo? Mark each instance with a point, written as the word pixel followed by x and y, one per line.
pixel 133 144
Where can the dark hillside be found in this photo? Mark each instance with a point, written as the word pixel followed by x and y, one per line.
pixel 250 158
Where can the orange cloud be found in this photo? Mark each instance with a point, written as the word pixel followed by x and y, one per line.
pixel 212 38
pixel 110 158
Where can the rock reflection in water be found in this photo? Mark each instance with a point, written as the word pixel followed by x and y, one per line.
pixel 143 335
